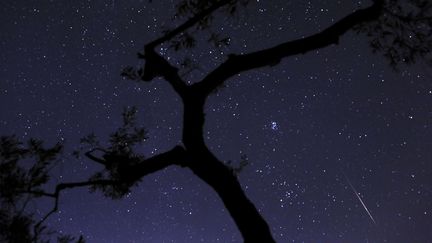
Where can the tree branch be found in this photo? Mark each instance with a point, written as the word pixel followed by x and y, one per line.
pixel 272 56
pixel 56 196
pixel 157 66
pixel 175 156
pixel 89 154
pixel 186 25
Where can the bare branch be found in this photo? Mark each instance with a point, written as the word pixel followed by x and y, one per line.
pixel 56 196
pixel 175 156
pixel 272 56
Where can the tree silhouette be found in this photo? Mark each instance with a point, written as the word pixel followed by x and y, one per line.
pixel 400 30
pixel 24 170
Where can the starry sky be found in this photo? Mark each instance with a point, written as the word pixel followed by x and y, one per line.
pixel 318 128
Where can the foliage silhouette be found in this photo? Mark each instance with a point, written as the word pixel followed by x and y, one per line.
pixel 400 30
pixel 24 170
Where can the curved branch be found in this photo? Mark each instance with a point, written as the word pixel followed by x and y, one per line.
pixel 272 56
pixel 176 156
pixel 56 195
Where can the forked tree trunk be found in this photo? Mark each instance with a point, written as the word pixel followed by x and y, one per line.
pixel 200 160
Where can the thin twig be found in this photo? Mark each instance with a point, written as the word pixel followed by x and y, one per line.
pixel 189 23
pixel 56 196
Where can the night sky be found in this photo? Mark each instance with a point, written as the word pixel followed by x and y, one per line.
pixel 317 128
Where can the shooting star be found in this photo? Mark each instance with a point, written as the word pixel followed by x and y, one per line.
pixel 359 198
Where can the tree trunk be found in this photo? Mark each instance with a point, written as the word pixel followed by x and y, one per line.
pixel 221 178
pixel 247 218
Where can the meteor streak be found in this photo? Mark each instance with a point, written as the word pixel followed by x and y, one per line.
pixel 359 198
